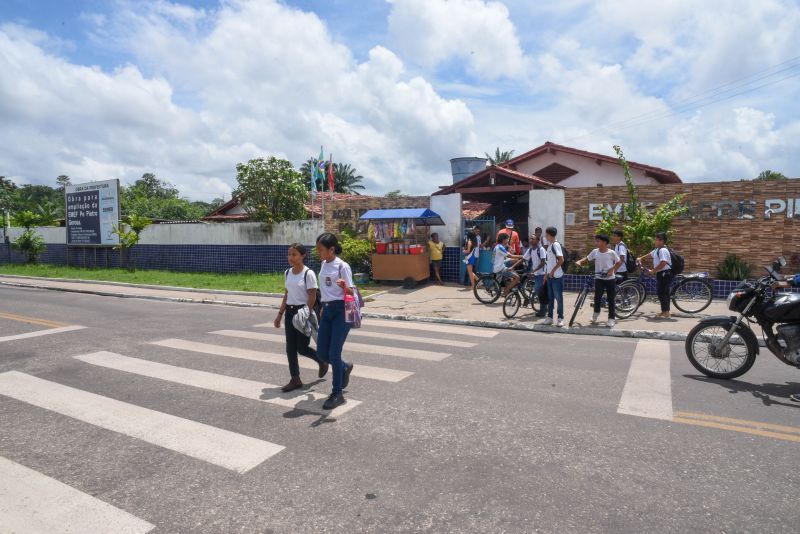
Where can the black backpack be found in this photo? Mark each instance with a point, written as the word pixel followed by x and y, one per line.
pixel 677 262
pixel 630 259
pixel 318 300
pixel 567 258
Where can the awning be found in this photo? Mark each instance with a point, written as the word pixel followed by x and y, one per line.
pixel 420 216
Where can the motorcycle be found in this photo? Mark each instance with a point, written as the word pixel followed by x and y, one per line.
pixel 726 347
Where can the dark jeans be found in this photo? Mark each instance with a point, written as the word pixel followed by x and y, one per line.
pixel 664 281
pixel 296 343
pixel 555 294
pixel 333 332
pixel 610 288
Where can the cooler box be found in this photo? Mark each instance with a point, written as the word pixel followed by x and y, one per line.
pixel 380 248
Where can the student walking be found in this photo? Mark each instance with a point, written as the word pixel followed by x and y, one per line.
pixel 536 256
pixel 336 281
pixel 300 289
pixel 622 251
pixel 436 251
pixel 606 264
pixel 662 266
pixel 553 277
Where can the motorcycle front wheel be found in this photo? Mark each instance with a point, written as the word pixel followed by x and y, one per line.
pixel 710 356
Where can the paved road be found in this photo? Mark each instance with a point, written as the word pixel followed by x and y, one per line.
pixel 163 417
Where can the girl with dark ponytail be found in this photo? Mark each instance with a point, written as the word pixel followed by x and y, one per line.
pixel 336 281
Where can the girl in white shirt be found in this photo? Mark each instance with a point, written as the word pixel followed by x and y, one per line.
pixel 336 281
pixel 300 290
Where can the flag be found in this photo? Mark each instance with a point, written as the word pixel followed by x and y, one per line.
pixel 315 175
pixel 330 175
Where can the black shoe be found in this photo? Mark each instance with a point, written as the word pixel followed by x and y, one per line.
pixel 346 377
pixel 323 368
pixel 335 399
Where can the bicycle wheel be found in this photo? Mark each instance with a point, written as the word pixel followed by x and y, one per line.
pixel 630 286
pixel 692 295
pixel 578 305
pixel 533 298
pixel 627 300
pixel 511 304
pixel 487 290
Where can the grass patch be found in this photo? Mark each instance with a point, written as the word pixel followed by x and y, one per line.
pixel 254 282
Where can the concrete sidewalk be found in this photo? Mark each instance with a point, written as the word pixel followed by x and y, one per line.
pixel 448 304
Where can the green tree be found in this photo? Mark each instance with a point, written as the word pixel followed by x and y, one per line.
pixel 129 234
pixel 639 223
pixel 62 181
pixel 346 179
pixel 271 190
pixel 770 175
pixel 7 191
pixel 499 156
pixel 158 199
pixel 395 194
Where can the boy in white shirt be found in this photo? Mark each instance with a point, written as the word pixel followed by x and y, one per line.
pixel 554 277
pixel 501 254
pixel 606 263
pixel 662 266
pixel 536 256
pixel 622 251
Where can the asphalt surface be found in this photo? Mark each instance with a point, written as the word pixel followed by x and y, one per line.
pixel 518 433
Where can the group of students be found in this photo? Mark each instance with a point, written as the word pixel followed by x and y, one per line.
pixel 544 256
pixel 334 283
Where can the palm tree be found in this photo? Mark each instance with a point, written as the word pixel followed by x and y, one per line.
pixel 499 157
pixel 346 180
pixel 306 169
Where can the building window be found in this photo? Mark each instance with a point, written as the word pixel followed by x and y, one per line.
pixel 555 172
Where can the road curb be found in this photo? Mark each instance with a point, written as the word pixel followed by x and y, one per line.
pixel 499 325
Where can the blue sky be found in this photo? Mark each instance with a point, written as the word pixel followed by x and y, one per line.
pixel 99 89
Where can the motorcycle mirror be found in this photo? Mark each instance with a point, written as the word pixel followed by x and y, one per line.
pixel 781 261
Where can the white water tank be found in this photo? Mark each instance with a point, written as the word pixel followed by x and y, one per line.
pixel 466 167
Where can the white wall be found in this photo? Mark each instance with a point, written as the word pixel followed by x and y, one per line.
pixel 546 208
pixel 589 173
pixel 449 207
pixel 284 233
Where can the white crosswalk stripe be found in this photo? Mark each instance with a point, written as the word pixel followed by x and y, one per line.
pixel 349 346
pixel 361 371
pixel 431 327
pixel 32 503
pixel 400 337
pixel 217 446
pixel 249 389
pixel 437 328
pixel 39 333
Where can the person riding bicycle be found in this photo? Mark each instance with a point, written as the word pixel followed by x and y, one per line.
pixel 500 269
pixel 788 282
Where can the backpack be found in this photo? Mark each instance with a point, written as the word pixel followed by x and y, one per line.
pixel 677 262
pixel 359 303
pixel 567 258
pixel 318 300
pixel 630 259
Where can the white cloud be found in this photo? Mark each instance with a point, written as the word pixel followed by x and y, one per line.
pixel 262 79
pixel 476 32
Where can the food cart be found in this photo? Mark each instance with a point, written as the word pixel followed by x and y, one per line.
pixel 401 242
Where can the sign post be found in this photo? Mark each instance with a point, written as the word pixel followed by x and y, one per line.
pixel 92 213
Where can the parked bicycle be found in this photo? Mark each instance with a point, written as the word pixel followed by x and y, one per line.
pixel 690 293
pixel 522 295
pixel 626 300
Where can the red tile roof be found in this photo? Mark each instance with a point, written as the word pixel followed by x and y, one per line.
pixel 526 179
pixel 313 209
pixel 663 176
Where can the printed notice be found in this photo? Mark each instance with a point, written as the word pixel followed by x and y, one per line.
pixel 92 213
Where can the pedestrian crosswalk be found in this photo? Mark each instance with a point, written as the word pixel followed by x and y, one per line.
pixel 34 502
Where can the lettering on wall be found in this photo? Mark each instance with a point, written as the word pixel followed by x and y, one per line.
pixel 723 209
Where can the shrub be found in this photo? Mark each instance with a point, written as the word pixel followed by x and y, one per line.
pixel 734 268
pixel 357 252
pixel 30 243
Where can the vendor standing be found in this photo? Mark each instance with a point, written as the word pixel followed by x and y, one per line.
pixel 436 251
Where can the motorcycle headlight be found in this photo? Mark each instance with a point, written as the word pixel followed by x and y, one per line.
pixel 733 300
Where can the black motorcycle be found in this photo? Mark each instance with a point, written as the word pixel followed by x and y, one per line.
pixel 726 347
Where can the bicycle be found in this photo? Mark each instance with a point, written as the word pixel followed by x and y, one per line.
pixel 688 289
pixel 489 286
pixel 626 300
pixel 523 294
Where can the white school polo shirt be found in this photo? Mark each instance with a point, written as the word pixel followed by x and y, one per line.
pixel 328 274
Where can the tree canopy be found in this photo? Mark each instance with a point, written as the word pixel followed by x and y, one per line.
pixel 770 175
pixel 345 178
pixel 271 190
pixel 499 156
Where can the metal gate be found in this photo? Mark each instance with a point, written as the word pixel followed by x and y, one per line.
pixel 488 229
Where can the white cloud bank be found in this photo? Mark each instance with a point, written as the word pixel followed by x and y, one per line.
pixel 263 79
pixel 206 89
